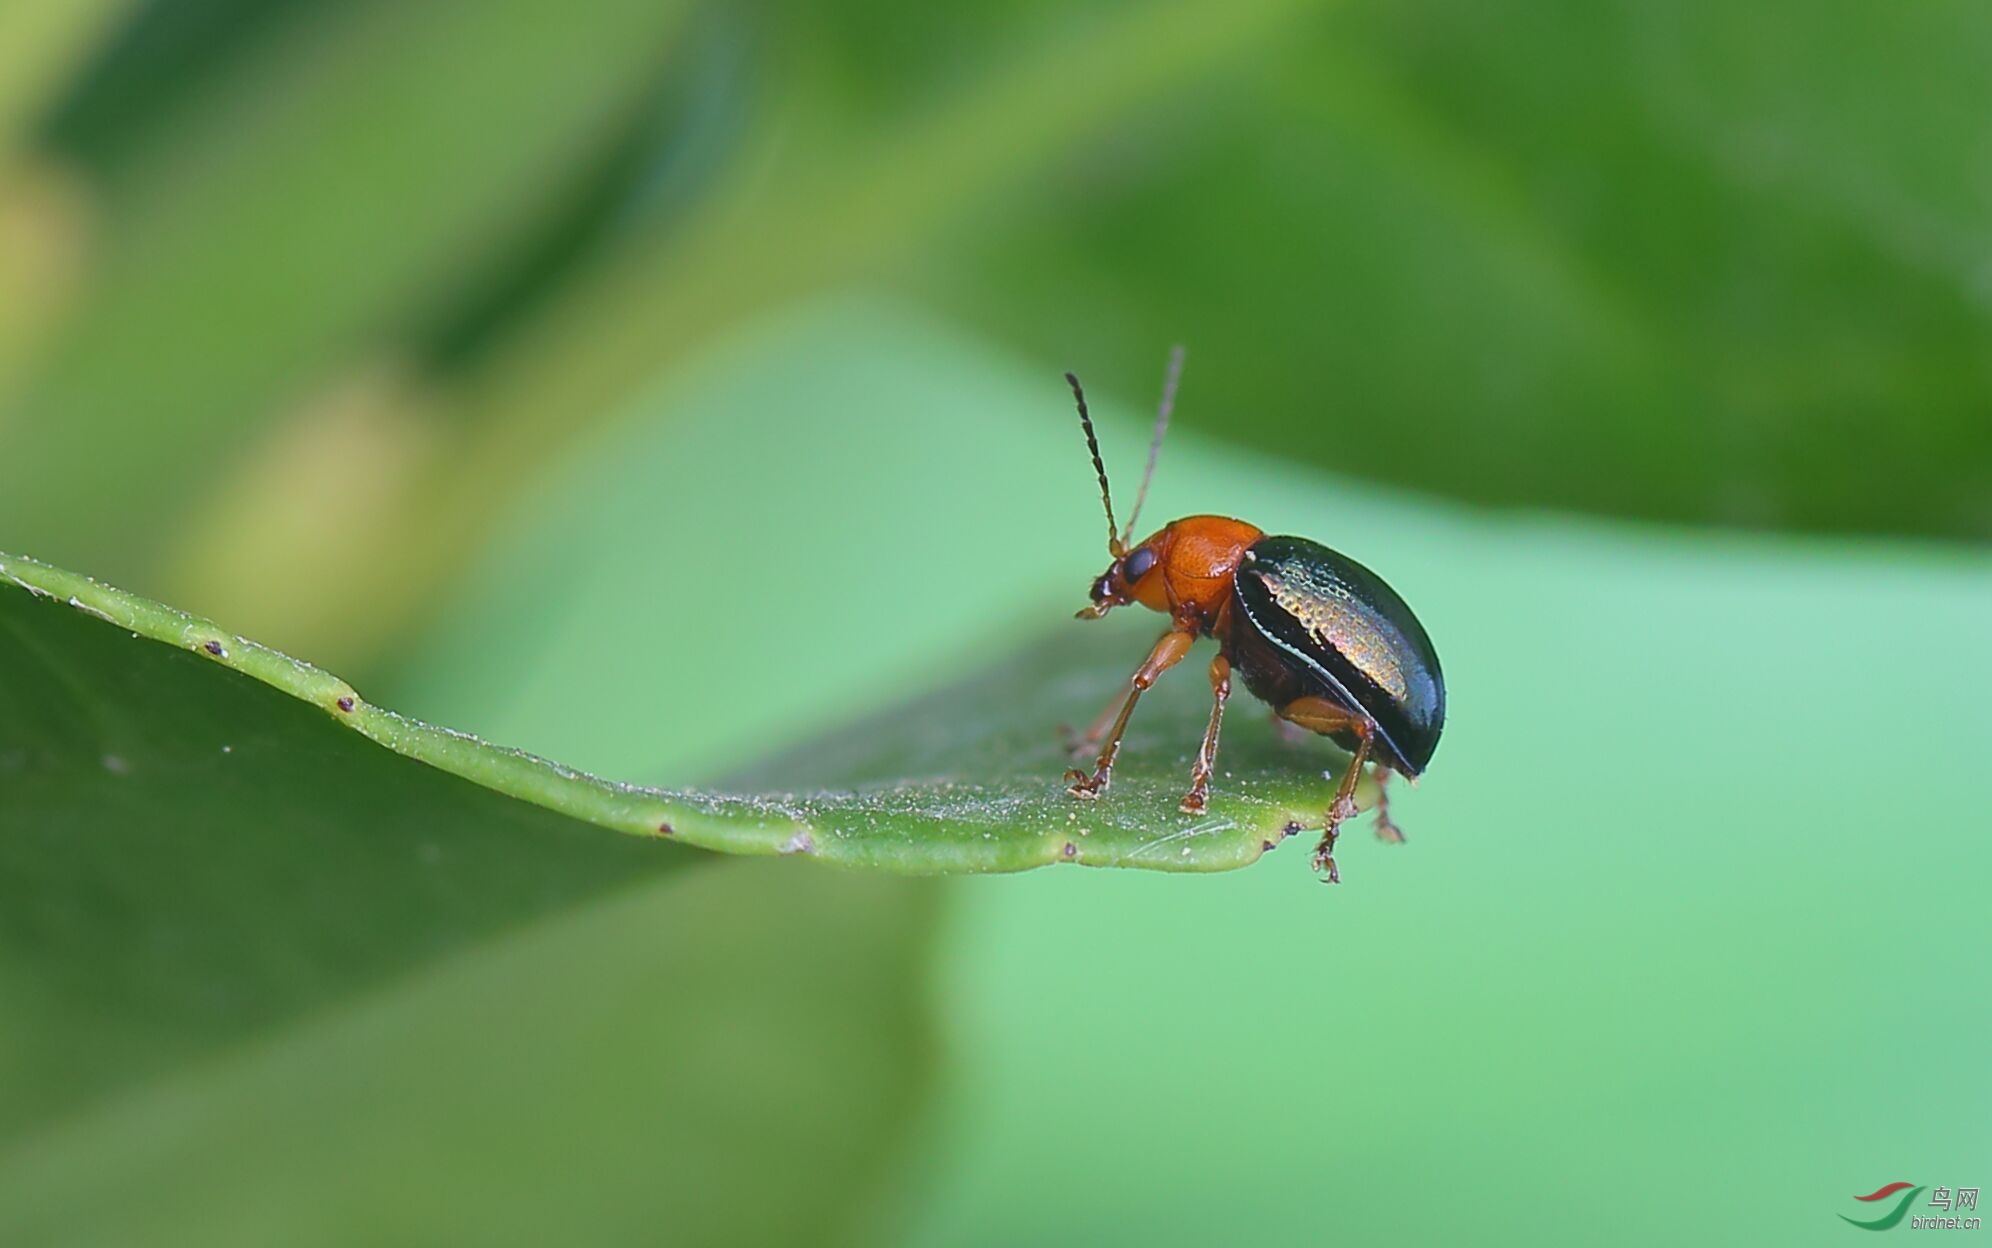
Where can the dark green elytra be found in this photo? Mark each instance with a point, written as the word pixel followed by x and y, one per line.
pixel 1317 622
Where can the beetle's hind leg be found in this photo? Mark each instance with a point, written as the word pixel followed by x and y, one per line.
pixel 1327 718
pixel 1386 830
pixel 1344 805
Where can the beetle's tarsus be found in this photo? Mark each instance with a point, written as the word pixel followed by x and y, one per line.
pixel 1085 787
pixel 1324 861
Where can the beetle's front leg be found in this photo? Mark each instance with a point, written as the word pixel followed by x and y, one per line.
pixel 1167 653
pixel 1220 689
pixel 1087 742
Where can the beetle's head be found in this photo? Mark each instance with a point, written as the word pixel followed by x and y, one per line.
pixel 1132 576
pixel 1125 580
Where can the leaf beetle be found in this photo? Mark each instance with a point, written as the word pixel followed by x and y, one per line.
pixel 1316 635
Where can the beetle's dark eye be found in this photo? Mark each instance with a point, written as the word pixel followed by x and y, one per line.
pixel 1137 564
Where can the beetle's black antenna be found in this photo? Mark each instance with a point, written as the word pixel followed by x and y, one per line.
pixel 1174 375
pixel 1115 546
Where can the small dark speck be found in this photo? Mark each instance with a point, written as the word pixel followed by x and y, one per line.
pixel 214 648
pixel 1291 829
pixel 345 704
pixel 1265 845
pixel 1071 850
pixel 665 829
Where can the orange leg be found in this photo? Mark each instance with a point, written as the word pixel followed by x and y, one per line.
pixel 1167 653
pixel 1087 742
pixel 1220 689
pixel 1325 717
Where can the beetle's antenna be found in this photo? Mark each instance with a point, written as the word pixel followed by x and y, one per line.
pixel 1115 546
pixel 1174 375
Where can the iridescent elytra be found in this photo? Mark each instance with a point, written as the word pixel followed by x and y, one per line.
pixel 1317 636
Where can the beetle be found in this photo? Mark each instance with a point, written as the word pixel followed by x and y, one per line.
pixel 1319 637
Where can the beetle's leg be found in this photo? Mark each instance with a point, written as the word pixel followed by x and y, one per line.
pixel 1088 741
pixel 1385 829
pixel 1167 653
pixel 1344 804
pixel 1220 689
pixel 1319 715
pixel 1327 718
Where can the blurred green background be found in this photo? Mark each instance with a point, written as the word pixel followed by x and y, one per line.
pixel 656 385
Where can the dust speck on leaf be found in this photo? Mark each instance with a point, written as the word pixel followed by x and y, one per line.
pixel 800 843
pixel 116 765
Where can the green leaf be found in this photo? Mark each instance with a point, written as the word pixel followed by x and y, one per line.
pixel 40 41
pixel 258 971
pixel 1653 262
pixel 345 181
pixel 967 780
pixel 228 918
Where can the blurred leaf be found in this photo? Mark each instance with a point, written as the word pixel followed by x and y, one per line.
pixel 131 91
pixel 44 227
pixel 1657 261
pixel 804 206
pixel 305 207
pixel 40 42
pixel 260 973
pixel 965 781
